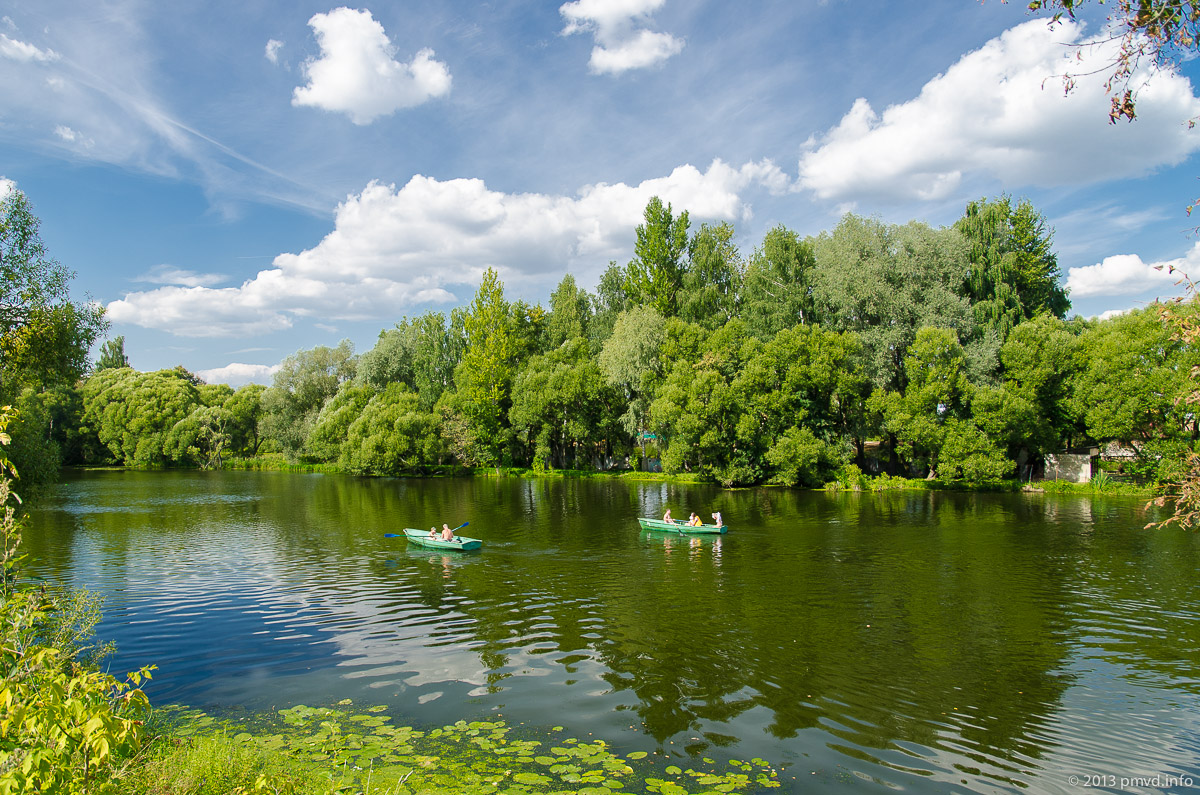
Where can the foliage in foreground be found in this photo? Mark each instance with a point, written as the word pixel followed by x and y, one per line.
pixel 63 723
pixel 305 750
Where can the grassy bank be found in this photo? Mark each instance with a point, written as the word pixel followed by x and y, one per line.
pixel 1100 484
pixel 311 751
pixel 850 479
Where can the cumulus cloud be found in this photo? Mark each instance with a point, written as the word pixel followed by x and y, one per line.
pixel 357 74
pixel 237 374
pixel 272 50
pixel 201 311
pixel 1127 274
pixel 393 248
pixel 1001 111
pixel 7 186
pixel 24 52
pixel 621 45
pixel 169 274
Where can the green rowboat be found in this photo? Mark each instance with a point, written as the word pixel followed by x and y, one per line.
pixel 680 527
pixel 421 538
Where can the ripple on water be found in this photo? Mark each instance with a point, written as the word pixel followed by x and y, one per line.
pixel 921 642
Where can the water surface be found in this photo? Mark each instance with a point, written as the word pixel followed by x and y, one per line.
pixel 929 642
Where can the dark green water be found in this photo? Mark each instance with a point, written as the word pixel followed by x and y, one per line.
pixel 921 641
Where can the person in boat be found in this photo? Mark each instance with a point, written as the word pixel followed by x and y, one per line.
pixel 667 517
pixel 433 533
pixel 694 520
pixel 447 533
pixel 717 519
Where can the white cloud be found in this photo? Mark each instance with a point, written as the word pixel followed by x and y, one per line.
pixel 21 51
pixel 272 50
pixel 357 75
pixel 1001 111
pixel 7 187
pixel 74 137
pixel 391 249
pixel 169 274
pixel 1110 314
pixel 620 44
pixel 237 374
pixel 1128 275
pixel 201 311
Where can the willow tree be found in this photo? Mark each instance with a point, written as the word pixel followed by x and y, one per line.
pixel 885 282
pixel 1014 273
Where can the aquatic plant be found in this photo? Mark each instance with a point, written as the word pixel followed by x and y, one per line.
pixel 363 751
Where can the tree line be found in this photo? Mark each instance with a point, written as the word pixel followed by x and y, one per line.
pixel 906 349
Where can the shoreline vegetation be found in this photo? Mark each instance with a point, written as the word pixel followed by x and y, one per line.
pixel 852 482
pixel 928 354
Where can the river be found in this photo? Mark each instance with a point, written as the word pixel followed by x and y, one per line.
pixel 927 641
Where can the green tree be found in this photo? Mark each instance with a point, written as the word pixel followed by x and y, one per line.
pixel 112 354
pixel 392 435
pixel 44 336
pixel 304 381
pixel 570 313
pixel 1041 361
pixel 655 275
pixel 133 414
pixel 610 301
pixel 777 291
pixel 713 280
pixel 331 425
pixel 201 438
pixel 803 394
pixel 44 339
pixel 930 423
pixel 483 376
pixel 630 361
pixel 245 413
pixel 420 353
pixel 563 408
pixel 1014 272
pixel 1133 381
pixel 885 282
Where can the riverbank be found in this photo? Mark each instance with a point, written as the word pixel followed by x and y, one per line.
pixel 849 479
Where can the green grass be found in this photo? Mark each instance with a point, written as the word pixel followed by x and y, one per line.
pixel 276 462
pixel 312 751
pixel 215 765
pixel 614 474
pixel 1101 484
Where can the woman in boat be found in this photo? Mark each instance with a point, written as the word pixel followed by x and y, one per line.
pixel 433 533
pixel 694 520
pixel 667 517
pixel 717 518
pixel 447 533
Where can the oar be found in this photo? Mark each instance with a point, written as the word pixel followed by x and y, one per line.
pixel 401 535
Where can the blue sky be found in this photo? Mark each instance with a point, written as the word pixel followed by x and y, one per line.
pixel 236 181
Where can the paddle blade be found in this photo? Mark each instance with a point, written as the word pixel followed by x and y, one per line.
pixel 392 535
pixel 461 526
